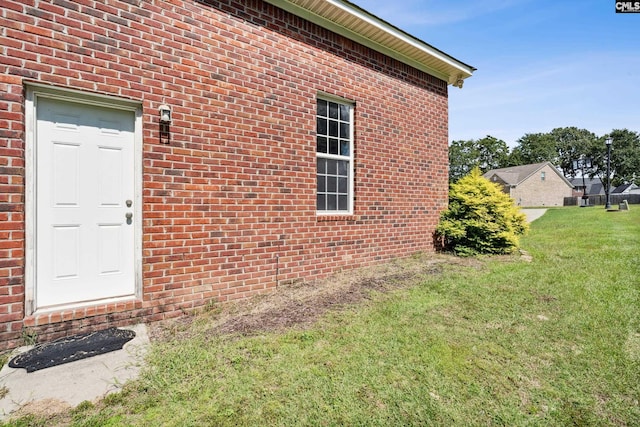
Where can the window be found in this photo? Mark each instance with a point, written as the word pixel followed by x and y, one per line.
pixel 334 153
pixel 542 176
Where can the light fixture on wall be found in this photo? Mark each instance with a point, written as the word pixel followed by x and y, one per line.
pixel 458 82
pixel 165 123
pixel 165 114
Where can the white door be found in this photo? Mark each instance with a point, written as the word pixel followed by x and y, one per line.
pixel 84 195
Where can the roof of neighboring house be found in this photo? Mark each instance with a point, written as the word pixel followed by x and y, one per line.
pixel 587 181
pixel 623 188
pixel 594 185
pixel 515 175
pixel 595 188
pixel 355 23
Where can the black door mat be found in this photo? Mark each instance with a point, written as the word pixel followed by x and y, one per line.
pixel 70 349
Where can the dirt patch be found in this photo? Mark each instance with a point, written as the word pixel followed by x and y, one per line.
pixel 42 409
pixel 302 304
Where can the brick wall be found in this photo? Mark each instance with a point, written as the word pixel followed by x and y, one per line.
pixel 229 199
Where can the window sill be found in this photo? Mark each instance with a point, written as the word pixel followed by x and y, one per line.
pixel 345 217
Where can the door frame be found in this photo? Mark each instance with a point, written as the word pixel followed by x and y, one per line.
pixel 35 91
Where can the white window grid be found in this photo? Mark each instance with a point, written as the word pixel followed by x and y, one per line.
pixel 334 151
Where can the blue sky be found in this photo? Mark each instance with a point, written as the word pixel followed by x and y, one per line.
pixel 541 64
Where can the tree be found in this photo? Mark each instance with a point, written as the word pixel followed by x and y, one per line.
pixel 561 147
pixel 571 144
pixel 462 158
pixel 625 157
pixel 493 153
pixel 534 148
pixel 480 219
pixel 486 153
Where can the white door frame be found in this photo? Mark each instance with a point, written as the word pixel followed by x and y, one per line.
pixel 35 91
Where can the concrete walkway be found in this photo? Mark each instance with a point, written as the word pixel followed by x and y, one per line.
pixel 68 385
pixel 533 214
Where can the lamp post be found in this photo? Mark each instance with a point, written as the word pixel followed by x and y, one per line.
pixel 608 141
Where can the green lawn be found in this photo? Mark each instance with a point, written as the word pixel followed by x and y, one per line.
pixel 555 341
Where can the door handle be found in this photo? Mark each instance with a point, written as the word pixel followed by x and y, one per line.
pixel 128 215
pixel 129 203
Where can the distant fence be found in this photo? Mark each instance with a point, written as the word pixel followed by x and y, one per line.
pixel 601 199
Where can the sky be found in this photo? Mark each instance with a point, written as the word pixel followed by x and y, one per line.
pixel 541 64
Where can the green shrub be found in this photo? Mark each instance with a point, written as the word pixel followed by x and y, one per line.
pixel 480 219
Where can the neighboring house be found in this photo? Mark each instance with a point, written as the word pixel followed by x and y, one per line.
pixel 156 156
pixel 596 187
pixel 593 186
pixel 626 189
pixel 539 184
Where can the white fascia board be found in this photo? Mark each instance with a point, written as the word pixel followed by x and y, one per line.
pixel 404 37
pixel 460 70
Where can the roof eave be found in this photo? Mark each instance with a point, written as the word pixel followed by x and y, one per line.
pixel 416 52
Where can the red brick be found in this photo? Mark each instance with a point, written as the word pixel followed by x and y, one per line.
pixel 233 189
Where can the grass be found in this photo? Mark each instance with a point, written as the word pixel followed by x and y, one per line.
pixel 552 342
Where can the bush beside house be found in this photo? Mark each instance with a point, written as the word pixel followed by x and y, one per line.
pixel 481 218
